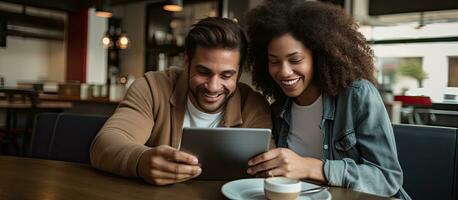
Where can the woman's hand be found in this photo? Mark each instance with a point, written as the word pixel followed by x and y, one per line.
pixel 284 162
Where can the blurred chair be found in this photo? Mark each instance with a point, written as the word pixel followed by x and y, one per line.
pixel 65 137
pixel 20 106
pixel 410 103
pixel 414 100
pixel 428 156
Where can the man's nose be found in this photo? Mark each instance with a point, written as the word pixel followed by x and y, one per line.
pixel 213 84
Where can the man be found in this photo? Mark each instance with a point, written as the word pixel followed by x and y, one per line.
pixel 142 137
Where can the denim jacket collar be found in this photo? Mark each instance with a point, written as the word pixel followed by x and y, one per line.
pixel 329 107
pixel 285 111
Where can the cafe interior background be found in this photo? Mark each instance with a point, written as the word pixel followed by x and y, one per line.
pixel 80 56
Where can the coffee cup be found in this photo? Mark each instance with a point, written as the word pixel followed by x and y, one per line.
pixel 276 188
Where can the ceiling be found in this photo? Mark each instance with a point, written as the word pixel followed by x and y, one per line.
pixel 361 14
pixel 75 5
pixel 66 5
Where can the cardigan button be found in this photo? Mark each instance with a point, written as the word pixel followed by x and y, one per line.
pixel 325 146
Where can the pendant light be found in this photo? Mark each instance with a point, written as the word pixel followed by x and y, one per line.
pixel 115 38
pixel 107 42
pixel 123 41
pixel 103 9
pixel 173 5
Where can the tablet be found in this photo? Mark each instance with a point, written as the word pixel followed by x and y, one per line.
pixel 224 152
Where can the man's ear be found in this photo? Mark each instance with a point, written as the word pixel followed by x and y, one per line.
pixel 240 73
pixel 186 62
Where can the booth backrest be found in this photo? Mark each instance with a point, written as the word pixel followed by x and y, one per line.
pixel 428 156
pixel 65 137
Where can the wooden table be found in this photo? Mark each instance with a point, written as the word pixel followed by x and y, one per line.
pixel 26 178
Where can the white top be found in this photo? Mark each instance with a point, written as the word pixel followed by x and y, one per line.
pixel 305 137
pixel 196 118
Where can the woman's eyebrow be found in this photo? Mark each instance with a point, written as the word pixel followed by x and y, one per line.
pixel 292 54
pixel 271 55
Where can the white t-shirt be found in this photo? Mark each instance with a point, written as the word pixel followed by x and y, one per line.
pixel 196 118
pixel 305 137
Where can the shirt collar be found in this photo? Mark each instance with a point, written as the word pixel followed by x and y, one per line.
pixel 329 107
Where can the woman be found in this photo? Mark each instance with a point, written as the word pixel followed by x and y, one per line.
pixel 330 123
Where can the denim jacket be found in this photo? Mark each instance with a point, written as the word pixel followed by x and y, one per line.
pixel 359 147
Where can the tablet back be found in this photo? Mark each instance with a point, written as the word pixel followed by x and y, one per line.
pixel 224 152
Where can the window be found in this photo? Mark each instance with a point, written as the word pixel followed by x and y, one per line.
pixel 453 72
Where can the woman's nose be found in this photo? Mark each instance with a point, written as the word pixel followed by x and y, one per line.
pixel 285 69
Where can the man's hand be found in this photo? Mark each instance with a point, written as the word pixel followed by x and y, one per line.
pixel 284 162
pixel 164 165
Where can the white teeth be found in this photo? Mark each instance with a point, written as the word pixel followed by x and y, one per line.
pixel 211 96
pixel 290 82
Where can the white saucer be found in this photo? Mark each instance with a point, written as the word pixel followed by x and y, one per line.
pixel 253 189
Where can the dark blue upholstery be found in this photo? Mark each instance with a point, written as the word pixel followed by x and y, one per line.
pixel 428 156
pixel 64 136
pixel 42 133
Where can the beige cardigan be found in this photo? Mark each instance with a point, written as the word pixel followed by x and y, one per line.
pixel 152 114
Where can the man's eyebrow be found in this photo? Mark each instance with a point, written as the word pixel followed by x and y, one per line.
pixel 232 72
pixel 199 66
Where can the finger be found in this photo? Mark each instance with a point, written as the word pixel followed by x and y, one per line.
pixel 158 174
pixel 162 181
pixel 264 157
pixel 271 173
pixel 177 156
pixel 178 168
pixel 267 165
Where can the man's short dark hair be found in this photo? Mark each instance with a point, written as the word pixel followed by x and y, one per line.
pixel 216 32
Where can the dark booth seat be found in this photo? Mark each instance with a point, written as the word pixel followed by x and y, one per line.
pixel 428 156
pixel 64 136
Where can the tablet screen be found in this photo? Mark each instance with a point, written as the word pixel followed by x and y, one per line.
pixel 224 152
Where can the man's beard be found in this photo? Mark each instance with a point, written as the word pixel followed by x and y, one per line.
pixel 200 89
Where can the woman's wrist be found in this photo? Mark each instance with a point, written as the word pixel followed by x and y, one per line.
pixel 315 170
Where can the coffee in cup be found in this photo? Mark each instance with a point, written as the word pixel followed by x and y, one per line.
pixel 276 188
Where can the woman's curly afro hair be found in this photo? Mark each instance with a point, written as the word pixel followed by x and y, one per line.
pixel 340 53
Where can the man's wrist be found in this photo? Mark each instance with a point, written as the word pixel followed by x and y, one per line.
pixel 139 163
